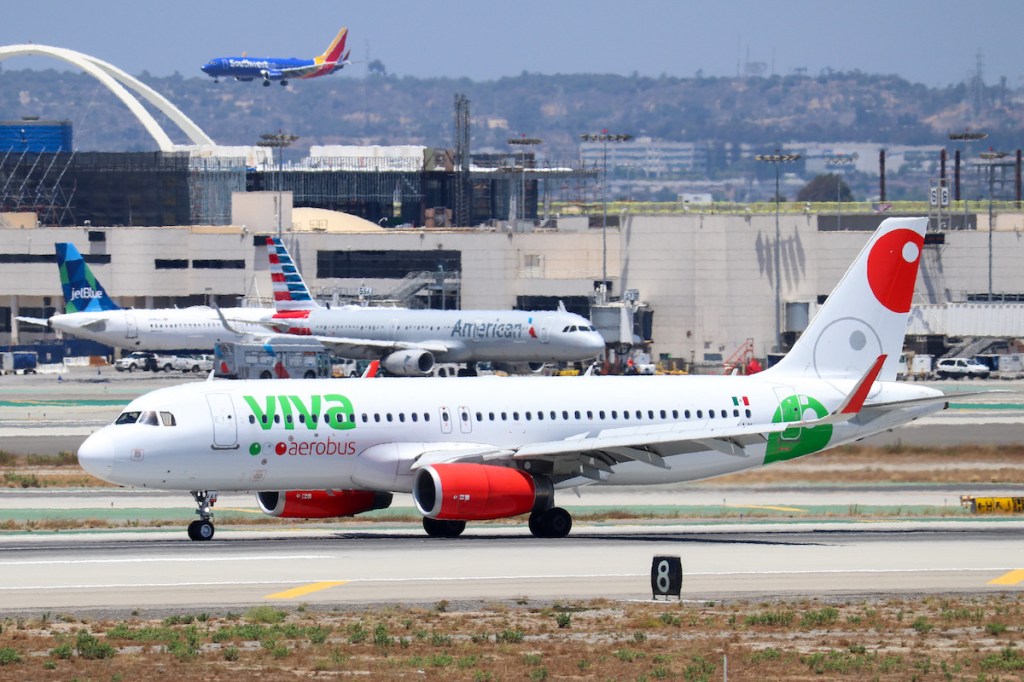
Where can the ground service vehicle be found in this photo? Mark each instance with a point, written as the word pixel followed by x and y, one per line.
pixel 19 362
pixel 277 357
pixel 961 368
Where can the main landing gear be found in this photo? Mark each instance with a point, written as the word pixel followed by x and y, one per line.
pixel 202 529
pixel 551 523
pixel 437 528
pixel 554 522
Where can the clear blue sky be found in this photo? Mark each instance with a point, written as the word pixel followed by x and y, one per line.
pixel 935 42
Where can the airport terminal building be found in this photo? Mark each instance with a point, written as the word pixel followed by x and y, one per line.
pixel 706 285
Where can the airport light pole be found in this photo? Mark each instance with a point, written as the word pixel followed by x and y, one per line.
pixel 605 137
pixel 990 158
pixel 278 141
pixel 525 142
pixel 836 162
pixel 964 138
pixel 776 160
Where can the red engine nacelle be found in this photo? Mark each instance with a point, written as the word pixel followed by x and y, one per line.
pixel 474 492
pixel 321 504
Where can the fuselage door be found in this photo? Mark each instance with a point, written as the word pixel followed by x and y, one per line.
pixel 789 410
pixel 225 430
pixel 446 419
pixel 131 327
pixel 544 331
pixel 465 419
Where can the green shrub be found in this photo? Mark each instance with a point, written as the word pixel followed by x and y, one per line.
pixel 89 647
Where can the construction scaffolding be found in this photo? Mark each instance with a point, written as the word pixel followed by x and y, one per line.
pixel 211 181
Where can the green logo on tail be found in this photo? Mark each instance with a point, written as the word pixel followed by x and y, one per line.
pixel 797 441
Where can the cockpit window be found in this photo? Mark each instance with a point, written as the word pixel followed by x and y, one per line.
pixel 168 419
pixel 149 418
pixel 127 418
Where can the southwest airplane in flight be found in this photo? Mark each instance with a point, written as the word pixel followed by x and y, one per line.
pixel 246 68
pixel 90 313
pixel 409 342
pixel 493 447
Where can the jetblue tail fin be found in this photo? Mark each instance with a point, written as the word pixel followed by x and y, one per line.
pixel 865 316
pixel 290 290
pixel 82 291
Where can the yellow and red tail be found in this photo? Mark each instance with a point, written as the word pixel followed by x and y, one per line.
pixel 335 52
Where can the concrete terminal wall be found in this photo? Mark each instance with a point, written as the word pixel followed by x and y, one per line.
pixel 709 279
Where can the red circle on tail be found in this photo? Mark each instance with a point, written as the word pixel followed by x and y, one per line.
pixel 892 268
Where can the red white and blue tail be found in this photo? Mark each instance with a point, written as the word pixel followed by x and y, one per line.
pixel 290 290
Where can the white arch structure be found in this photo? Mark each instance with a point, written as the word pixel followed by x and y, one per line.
pixel 118 82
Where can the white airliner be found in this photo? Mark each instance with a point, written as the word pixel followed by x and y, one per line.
pixel 92 314
pixel 409 342
pixel 492 447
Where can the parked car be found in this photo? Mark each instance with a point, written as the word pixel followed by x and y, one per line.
pixel 146 362
pixel 960 368
pixel 139 360
pixel 193 363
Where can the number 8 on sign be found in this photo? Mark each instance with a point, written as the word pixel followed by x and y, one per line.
pixel 666 576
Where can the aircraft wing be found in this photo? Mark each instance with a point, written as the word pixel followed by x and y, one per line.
pixel 345 347
pixel 300 71
pixel 38 321
pixel 592 455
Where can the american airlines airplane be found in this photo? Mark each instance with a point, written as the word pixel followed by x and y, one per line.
pixel 409 342
pixel 494 447
pixel 90 313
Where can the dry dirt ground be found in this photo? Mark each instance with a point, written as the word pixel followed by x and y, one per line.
pixel 950 637
pixel 931 638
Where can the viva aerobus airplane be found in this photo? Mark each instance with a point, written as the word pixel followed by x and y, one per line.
pixel 409 342
pixel 90 313
pixel 492 447
pixel 280 69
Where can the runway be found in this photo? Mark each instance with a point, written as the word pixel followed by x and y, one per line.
pixel 118 572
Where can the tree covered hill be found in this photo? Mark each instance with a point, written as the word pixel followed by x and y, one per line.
pixel 382 109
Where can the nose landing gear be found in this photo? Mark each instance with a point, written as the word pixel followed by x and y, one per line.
pixel 202 529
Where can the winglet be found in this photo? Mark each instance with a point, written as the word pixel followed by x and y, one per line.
pixel 853 403
pixel 371 370
pixel 859 394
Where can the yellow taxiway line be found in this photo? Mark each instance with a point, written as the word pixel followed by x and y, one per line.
pixel 1012 578
pixel 302 591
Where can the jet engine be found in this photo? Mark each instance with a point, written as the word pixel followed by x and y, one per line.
pixel 409 363
pixel 320 504
pixel 519 367
pixel 474 492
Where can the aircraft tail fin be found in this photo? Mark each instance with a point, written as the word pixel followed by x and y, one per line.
pixel 290 290
pixel 82 291
pixel 335 52
pixel 866 314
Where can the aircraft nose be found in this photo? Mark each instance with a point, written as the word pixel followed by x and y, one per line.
pixel 96 454
pixel 595 342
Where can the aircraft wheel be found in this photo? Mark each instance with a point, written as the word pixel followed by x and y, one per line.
pixel 310 374
pixel 266 84
pixel 265 374
pixel 553 523
pixel 443 529
pixel 200 531
pixel 284 83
